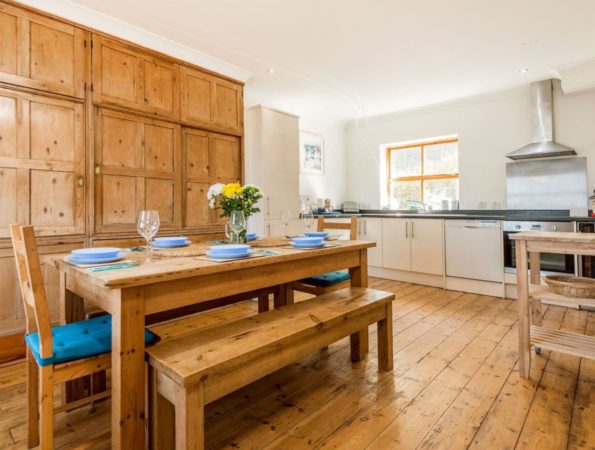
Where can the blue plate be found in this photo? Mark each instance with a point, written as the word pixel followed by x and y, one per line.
pixel 307 241
pixel 229 249
pixel 228 255
pixel 171 244
pixel 251 236
pixel 170 239
pixel 317 234
pixel 293 244
pixel 80 261
pixel 95 253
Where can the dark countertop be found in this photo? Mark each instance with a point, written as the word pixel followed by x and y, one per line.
pixel 481 214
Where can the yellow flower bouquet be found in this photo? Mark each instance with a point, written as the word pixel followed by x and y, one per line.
pixel 234 197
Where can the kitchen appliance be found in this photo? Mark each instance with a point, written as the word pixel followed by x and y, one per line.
pixel 542 122
pixel 474 249
pixel 350 207
pixel 586 264
pixel 554 183
pixel 551 263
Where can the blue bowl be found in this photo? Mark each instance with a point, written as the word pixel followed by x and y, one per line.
pixel 251 236
pixel 307 241
pixel 95 253
pixel 229 249
pixel 320 234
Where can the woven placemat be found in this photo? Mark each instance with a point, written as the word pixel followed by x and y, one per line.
pixel 191 250
pixel 270 242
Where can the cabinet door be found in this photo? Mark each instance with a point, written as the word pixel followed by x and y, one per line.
pixel 137 166
pixel 124 76
pixel 396 244
pixel 372 231
pixel 210 101
pixel 209 158
pixel 41 53
pixel 42 155
pixel 427 246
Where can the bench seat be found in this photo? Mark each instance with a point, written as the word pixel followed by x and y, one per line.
pixel 198 368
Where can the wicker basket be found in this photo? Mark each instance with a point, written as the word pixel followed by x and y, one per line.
pixel 571 285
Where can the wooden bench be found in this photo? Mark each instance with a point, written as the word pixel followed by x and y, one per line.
pixel 200 367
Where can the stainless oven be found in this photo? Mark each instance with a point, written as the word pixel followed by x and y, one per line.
pixel 551 263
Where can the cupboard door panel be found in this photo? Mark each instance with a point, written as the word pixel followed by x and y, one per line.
pixel 53 205
pixel 427 246
pixel 52 132
pixel 196 93
pixel 119 201
pixel 8 126
pixel 396 244
pixel 196 148
pixel 197 207
pixel 121 142
pixel 119 75
pixel 8 203
pixel 41 53
pixel 225 156
pixel 159 195
pixel 123 75
pixel 228 105
pixel 159 148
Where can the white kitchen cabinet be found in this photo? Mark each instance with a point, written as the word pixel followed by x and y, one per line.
pixel 276 228
pixel 272 162
pixel 396 245
pixel 414 245
pixel 370 229
pixel 427 246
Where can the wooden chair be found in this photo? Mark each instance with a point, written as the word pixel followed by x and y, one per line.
pixel 55 355
pixel 331 281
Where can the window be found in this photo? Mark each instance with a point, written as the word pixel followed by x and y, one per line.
pixel 426 172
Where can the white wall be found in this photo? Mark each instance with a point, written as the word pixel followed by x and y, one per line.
pixel 488 127
pixel 333 184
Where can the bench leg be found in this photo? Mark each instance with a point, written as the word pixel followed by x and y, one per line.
pixel 190 422
pixel 263 302
pixel 161 417
pixel 385 340
pixel 359 345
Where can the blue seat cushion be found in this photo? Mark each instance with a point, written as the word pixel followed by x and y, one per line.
pixel 78 340
pixel 328 279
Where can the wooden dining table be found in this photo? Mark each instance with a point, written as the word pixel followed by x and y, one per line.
pixel 130 294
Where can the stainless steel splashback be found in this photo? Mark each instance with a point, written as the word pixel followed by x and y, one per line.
pixel 558 183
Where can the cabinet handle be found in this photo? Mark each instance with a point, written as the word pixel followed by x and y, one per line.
pixel 268 208
pixel 412 230
pixel 407 229
pixel 365 227
pixel 80 181
pixel 97 169
pixel 268 229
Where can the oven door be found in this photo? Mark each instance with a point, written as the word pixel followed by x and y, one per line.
pixel 550 262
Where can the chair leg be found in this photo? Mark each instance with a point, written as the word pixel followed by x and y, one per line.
pixel 190 423
pixel 263 302
pixel 46 402
pixel 161 417
pixel 32 401
pixel 385 340
pixel 359 345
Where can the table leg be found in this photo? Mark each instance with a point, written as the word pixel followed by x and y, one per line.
pixel 128 370
pixel 523 305
pixel 72 309
pixel 359 278
pixel 535 266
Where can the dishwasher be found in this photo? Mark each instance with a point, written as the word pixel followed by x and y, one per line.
pixel 474 249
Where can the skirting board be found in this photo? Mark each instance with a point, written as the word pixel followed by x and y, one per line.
pixel 475 286
pixel 408 277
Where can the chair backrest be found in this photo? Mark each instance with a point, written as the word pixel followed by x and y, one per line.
pixel 351 226
pixel 31 284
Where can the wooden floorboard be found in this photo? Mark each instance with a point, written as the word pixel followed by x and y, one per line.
pixel 455 385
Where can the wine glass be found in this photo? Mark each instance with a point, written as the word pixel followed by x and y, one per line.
pixel 147 226
pixel 285 218
pixel 237 224
pixel 308 218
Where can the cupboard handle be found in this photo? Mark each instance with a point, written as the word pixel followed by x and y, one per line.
pixel 97 169
pixel 268 207
pixel 407 230
pixel 268 229
pixel 412 230
pixel 365 227
pixel 80 181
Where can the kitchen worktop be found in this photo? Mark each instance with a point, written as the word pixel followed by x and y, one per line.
pixel 482 214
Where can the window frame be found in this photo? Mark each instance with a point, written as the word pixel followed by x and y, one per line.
pixel 422 177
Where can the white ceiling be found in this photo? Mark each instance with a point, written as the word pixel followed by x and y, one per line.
pixel 339 58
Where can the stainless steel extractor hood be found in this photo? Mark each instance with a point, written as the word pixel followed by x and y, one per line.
pixel 542 121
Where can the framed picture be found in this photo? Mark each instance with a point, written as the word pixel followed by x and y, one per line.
pixel 311 153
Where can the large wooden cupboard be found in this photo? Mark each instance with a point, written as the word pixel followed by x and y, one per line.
pixel 93 129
